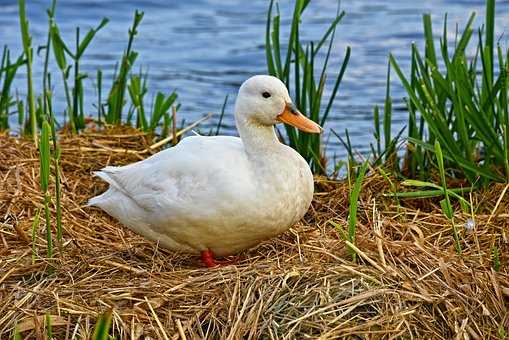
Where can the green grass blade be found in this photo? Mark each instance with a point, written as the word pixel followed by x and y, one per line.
pixel 335 89
pixel 427 193
pixel 44 159
pixel 27 49
pixel 429 42
pixel 221 115
pixel 268 45
pixel 89 36
pixel 330 31
pixel 49 326
pixel 490 36
pixel 387 118
pixel 102 326
pixel 35 226
pixel 353 206
pixel 446 203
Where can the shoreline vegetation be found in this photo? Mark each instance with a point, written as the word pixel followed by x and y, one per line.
pixel 412 243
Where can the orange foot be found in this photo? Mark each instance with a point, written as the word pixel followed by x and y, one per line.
pixel 207 257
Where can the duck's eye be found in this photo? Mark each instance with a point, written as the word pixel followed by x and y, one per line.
pixel 266 94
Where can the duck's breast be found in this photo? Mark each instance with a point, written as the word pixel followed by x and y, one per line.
pixel 287 186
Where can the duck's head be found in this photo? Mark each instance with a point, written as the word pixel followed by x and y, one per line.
pixel 264 100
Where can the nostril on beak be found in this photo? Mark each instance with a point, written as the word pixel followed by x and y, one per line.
pixel 293 109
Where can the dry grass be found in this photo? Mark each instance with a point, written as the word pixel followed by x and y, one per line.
pixel 408 283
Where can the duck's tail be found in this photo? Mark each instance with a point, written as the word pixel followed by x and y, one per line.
pixel 104 174
pixel 98 200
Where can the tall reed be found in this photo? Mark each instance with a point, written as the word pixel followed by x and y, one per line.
pixel 137 89
pixel 460 101
pixel 50 118
pixel 8 71
pixel 26 39
pixel 355 190
pixel 446 202
pixel 116 96
pixel 297 68
pixel 44 160
pixel 387 152
pixel 74 96
pixel 353 206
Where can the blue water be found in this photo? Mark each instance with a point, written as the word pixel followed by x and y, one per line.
pixel 206 48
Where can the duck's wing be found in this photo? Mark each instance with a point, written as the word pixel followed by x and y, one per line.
pixel 187 177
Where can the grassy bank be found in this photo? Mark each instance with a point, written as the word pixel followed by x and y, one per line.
pixel 457 94
pixel 408 279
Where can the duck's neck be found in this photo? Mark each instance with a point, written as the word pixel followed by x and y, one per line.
pixel 258 139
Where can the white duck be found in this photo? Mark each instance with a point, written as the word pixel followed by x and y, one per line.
pixel 218 195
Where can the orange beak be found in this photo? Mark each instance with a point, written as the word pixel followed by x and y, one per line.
pixel 293 117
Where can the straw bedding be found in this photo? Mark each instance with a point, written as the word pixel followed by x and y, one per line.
pixel 407 282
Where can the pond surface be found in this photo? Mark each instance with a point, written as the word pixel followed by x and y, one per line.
pixel 206 48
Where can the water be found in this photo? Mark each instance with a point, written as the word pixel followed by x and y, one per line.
pixel 206 48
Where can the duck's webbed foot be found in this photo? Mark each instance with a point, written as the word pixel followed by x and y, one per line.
pixel 208 259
